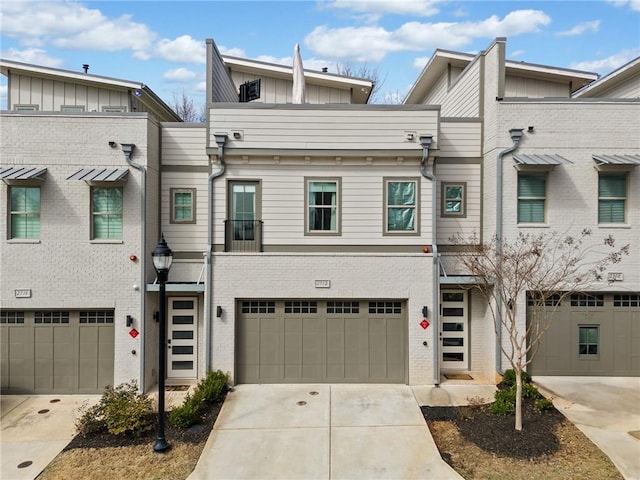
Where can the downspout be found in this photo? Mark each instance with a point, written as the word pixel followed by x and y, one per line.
pixel 221 139
pixel 425 141
pixel 516 136
pixel 127 149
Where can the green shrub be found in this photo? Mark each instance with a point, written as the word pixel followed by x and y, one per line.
pixel 502 406
pixel 120 410
pixel 529 391
pixel 212 387
pixel 509 377
pixel 543 404
pixel 187 414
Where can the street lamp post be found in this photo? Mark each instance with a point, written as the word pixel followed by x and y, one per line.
pixel 162 257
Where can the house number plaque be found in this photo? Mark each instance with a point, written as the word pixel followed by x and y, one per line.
pixel 323 283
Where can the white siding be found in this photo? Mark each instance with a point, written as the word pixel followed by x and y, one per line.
pixel 630 88
pixel 184 145
pixel 460 139
pixel 314 128
pixel 280 90
pixel 522 87
pixel 463 99
pixel 470 224
pixel 362 208
pixel 223 89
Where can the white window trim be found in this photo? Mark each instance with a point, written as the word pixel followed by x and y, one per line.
pixel 338 182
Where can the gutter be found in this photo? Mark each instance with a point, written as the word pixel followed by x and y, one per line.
pixel 128 148
pixel 516 136
pixel 221 139
pixel 425 141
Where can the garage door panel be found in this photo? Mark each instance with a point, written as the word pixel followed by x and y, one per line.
pixel 17 350
pixel 335 348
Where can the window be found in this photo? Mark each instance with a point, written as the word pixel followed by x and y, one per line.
pixel 106 213
pixel 25 108
pixel 588 340
pixel 454 199
pixel 323 206
pixel 114 109
pixel 401 206
pixel 531 198
pixel 72 108
pixel 587 300
pixel 612 197
pixel 183 205
pixel 25 212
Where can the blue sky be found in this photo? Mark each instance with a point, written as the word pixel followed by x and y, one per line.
pixel 162 43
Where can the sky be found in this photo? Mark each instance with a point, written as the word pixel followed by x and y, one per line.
pixel 162 43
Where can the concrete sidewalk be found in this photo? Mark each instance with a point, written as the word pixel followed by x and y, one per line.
pixel 605 409
pixel 34 430
pixel 321 431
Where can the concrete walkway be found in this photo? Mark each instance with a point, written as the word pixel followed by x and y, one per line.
pixel 321 432
pixel 34 430
pixel 605 409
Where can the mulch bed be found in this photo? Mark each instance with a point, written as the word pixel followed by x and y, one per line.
pixel 496 433
pixel 195 434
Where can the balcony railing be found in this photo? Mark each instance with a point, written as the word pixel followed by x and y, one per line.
pixel 243 236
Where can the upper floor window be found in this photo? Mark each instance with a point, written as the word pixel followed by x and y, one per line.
pixel 114 109
pixel 25 108
pixel 454 199
pixel 612 198
pixel 183 205
pixel 323 206
pixel 25 212
pixel 106 213
pixel 72 108
pixel 531 197
pixel 401 206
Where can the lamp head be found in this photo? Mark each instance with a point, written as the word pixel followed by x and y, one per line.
pixel 162 257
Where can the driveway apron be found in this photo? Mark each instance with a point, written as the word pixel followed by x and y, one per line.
pixel 605 409
pixel 321 432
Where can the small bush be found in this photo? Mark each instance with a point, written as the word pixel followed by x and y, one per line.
pixel 509 377
pixel 213 386
pixel 120 410
pixel 187 414
pixel 543 404
pixel 529 391
pixel 502 407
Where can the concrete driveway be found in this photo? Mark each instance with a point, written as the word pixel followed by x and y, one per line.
pixel 34 429
pixel 605 409
pixel 321 431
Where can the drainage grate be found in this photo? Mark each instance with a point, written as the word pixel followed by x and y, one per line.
pixel 26 464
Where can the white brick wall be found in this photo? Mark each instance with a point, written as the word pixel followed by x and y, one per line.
pixel 380 276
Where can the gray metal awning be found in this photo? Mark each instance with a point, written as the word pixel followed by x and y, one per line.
pixel 101 175
pixel 22 173
pixel 622 160
pixel 542 160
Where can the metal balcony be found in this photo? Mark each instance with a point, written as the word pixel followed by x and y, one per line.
pixel 243 236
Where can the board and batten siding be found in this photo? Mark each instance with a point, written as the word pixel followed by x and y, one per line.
pixel 469 174
pixel 51 95
pixel 460 138
pixel 280 90
pixel 223 88
pixel 361 202
pixel 521 87
pixel 334 128
pixel 630 88
pixel 463 97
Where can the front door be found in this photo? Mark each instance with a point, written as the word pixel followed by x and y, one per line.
pixel 182 337
pixel 454 330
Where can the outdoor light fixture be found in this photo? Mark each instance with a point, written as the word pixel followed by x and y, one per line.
pixel 425 311
pixel 162 258
pixel 219 311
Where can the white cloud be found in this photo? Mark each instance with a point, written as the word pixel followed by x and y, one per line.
pixel 201 87
pixel 423 8
pixel 420 62
pixel 183 49
pixel 232 52
pixel 3 97
pixel 606 65
pixel 373 43
pixel 73 26
pixel 582 28
pixel 633 4
pixel 35 56
pixel 179 75
pixel 516 54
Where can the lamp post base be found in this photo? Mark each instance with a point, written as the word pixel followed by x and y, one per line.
pixel 161 445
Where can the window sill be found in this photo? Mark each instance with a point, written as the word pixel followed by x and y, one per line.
pixel 533 225
pixel 99 241
pixel 24 240
pixel 614 225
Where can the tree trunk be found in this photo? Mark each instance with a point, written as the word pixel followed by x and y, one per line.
pixel 518 399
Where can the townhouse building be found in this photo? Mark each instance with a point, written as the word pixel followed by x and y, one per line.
pixel 312 242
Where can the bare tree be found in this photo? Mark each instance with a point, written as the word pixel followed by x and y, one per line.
pixel 184 107
pixel 363 71
pixel 544 269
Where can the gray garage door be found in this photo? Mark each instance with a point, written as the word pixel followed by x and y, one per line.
pixel 592 334
pixel 56 351
pixel 309 341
